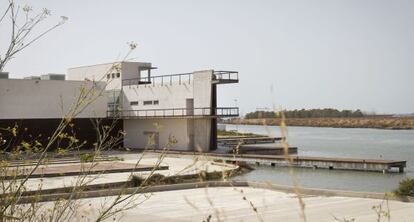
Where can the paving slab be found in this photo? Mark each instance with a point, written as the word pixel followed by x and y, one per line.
pixel 244 204
pixel 176 166
pixel 44 171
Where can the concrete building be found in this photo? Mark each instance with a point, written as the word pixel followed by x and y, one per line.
pixel 36 107
pixel 156 110
pixel 178 109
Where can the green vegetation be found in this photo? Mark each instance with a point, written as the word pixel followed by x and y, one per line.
pixel 159 179
pixel 155 179
pixel 303 113
pixel 86 157
pixel 406 187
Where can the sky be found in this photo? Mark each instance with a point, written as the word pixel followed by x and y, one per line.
pixel 292 54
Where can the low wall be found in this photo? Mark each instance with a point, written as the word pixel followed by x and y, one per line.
pixel 182 186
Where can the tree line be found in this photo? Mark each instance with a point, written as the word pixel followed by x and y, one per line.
pixel 306 113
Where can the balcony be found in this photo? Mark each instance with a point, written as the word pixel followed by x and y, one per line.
pixel 175 113
pixel 219 77
pixel 225 77
pixel 160 80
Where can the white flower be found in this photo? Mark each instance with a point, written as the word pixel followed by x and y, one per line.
pixel 46 11
pixel 132 45
pixel 27 8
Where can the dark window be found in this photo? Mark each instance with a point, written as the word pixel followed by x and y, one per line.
pixel 108 76
pixel 133 103
pixel 148 102
pixel 118 75
pixel 156 102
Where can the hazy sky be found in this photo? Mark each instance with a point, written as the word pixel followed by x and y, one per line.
pixel 346 54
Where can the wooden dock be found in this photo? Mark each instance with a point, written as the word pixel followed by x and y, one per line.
pixel 330 163
pixel 265 150
pixel 235 140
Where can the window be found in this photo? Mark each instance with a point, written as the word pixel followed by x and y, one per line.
pixel 108 76
pixel 148 102
pixel 133 103
pixel 118 75
pixel 113 75
pixel 156 102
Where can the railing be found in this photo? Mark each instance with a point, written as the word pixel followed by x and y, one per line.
pixel 177 112
pixel 219 76
pixel 226 76
pixel 162 80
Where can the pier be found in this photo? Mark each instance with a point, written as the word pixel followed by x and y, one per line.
pixel 236 140
pixel 255 145
pixel 265 150
pixel 331 163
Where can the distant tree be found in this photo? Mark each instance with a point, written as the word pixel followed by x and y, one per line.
pixel 311 113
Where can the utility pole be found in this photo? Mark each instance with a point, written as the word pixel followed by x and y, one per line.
pixel 237 125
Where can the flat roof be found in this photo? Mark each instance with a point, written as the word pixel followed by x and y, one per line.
pixel 49 80
pixel 106 63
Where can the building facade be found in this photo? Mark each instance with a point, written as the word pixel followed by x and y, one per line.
pixel 176 111
pixel 35 108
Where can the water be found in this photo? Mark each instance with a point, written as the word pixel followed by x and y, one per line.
pixel 338 142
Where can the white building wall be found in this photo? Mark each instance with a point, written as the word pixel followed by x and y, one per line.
pixel 96 73
pixel 127 70
pixel 35 99
pixel 202 131
pixel 202 88
pixel 130 70
pixel 171 95
pixel 168 96
pixel 192 133
pixel 137 133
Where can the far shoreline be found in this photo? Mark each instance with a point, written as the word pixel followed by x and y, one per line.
pixel 383 123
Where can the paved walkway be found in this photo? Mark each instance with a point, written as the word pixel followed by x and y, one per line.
pixel 176 166
pixel 44 171
pixel 227 204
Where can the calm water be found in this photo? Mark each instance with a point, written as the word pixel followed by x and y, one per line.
pixel 336 142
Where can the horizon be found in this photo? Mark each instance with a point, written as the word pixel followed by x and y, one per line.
pixel 290 55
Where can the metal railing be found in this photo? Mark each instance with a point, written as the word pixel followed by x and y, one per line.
pixel 221 76
pixel 176 112
pixel 226 75
pixel 162 80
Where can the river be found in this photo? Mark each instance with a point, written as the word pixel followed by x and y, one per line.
pixel 338 142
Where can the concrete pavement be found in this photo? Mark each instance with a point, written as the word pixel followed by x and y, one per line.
pixel 177 166
pixel 228 204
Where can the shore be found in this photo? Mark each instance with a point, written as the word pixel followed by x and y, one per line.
pixel 363 122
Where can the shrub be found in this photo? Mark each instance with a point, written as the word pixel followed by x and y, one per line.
pixel 86 157
pixel 406 187
pixel 155 179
